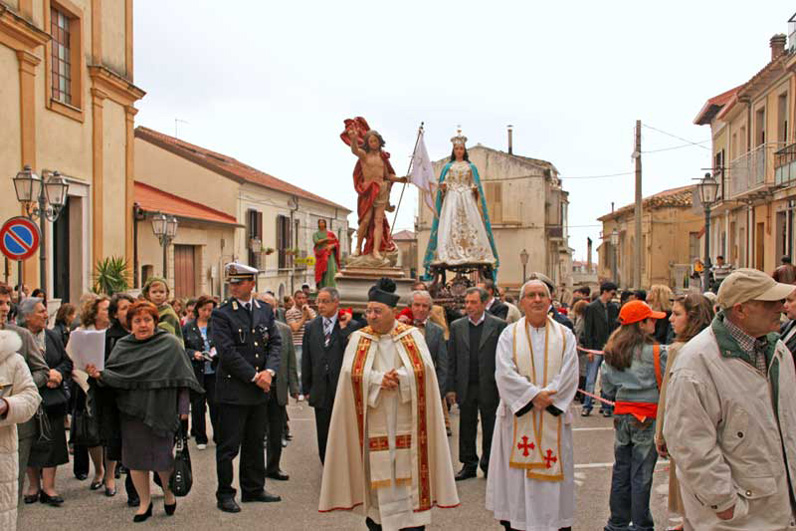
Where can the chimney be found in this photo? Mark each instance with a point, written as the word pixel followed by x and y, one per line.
pixel 588 255
pixel 511 140
pixel 778 43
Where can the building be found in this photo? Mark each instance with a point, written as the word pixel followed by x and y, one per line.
pixel 751 125
pixel 528 210
pixel 230 212
pixel 406 241
pixel 666 253
pixel 67 104
pixel 585 275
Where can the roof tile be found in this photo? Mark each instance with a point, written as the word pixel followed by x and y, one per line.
pixel 153 199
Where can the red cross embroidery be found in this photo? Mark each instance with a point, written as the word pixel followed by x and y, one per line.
pixel 549 459
pixel 524 446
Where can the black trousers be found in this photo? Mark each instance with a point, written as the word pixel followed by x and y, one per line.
pixel 276 427
pixel 199 406
pixel 323 417
pixel 241 428
pixel 507 526
pixel 468 429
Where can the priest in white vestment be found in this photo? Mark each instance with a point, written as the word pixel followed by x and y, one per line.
pixel 531 482
pixel 387 455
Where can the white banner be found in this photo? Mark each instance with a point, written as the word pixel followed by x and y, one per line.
pixel 423 172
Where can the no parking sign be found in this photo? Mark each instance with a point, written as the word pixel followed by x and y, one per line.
pixel 19 238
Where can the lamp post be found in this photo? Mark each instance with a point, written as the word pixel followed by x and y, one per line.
pixel 708 191
pixel 524 261
pixel 165 228
pixel 614 246
pixel 43 200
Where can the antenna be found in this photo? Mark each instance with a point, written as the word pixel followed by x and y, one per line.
pixel 178 121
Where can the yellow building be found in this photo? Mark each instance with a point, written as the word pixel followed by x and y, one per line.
pixel 67 104
pixel 670 240
pixel 406 242
pixel 753 159
pixel 227 211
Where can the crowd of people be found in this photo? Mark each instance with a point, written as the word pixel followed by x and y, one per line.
pixel 703 380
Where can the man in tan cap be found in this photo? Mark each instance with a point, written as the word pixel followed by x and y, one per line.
pixel 730 418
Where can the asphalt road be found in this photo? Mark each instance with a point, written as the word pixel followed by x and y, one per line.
pixel 91 510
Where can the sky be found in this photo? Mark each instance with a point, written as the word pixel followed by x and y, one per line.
pixel 270 83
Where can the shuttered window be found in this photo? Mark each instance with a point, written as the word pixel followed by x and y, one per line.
pixel 254 232
pixel 494 200
pixel 283 241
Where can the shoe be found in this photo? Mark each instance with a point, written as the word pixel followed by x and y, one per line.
pixel 117 474
pixel 133 502
pixel 263 496
pixel 228 505
pixel 585 412
pixel 288 436
pixel 466 473
pixel 170 508
pixel 607 414
pixel 54 501
pixel 201 446
pixel 31 498
pixel 449 431
pixel 81 477
pixel 110 493
pixel 278 475
pixel 301 398
pixel 284 442
pixel 95 485
pixel 143 517
pixel 485 471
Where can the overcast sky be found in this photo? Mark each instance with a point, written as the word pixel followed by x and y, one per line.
pixel 270 83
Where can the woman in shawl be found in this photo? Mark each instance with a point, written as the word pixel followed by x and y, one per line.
pixel 327 256
pixel 152 378
pixel 461 233
pixel 156 291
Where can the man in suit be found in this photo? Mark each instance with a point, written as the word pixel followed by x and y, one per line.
pixel 471 378
pixel 324 343
pixel 600 319
pixel 249 347
pixel 421 304
pixel 494 305
pixel 286 380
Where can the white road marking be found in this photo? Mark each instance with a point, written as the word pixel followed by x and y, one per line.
pixel 603 428
pixel 579 466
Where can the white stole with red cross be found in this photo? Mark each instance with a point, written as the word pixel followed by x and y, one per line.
pixel 537 434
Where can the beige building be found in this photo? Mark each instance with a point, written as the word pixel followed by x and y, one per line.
pixel 754 158
pixel 671 232
pixel 239 214
pixel 528 210
pixel 67 104
pixel 406 241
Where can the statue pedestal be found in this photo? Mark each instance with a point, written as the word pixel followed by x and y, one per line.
pixel 353 284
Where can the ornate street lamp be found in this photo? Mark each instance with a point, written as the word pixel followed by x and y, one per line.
pixel 615 257
pixel 165 228
pixel 708 192
pixel 43 200
pixel 524 261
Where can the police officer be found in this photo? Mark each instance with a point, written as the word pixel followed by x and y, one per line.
pixel 248 346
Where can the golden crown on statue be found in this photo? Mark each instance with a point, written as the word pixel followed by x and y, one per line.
pixel 459 139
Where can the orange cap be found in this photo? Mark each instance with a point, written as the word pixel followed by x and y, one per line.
pixel 635 311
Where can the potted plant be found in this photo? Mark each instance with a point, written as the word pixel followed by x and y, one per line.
pixel 111 275
pixel 268 250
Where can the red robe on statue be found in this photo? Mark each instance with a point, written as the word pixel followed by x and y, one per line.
pixel 369 193
pixel 322 254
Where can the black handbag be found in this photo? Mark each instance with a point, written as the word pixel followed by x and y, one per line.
pixel 43 438
pixel 181 479
pixel 86 425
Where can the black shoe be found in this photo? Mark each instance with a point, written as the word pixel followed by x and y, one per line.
pixel 170 508
pixel 54 501
pixel 284 442
pixel 117 474
pixel 133 502
pixel 143 517
pixel 288 436
pixel 95 485
pixel 485 471
pixel 466 472
pixel 585 412
pixel 31 498
pixel 109 492
pixel 278 475
pixel 228 505
pixel 263 496
pixel 607 414
pixel 81 477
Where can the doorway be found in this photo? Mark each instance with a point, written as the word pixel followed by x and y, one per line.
pixel 185 271
pixel 760 234
pixel 60 260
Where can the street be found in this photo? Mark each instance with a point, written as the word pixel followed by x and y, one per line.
pixel 88 509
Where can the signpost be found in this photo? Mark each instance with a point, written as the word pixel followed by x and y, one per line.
pixel 19 240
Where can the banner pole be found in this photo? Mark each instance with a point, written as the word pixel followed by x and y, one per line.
pixel 417 142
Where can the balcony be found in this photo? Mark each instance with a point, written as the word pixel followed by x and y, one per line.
pixel 785 165
pixel 753 173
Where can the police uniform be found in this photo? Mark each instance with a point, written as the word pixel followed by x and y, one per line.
pixel 247 342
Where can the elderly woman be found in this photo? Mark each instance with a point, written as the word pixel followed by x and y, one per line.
pixel 44 459
pixel 152 378
pixel 19 399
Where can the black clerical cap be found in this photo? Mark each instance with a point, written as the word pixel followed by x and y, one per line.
pixel 384 292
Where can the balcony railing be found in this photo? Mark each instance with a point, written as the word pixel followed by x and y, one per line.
pixel 754 171
pixel 785 165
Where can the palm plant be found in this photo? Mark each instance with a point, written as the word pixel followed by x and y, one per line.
pixel 111 275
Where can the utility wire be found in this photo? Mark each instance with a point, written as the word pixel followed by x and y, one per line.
pixel 605 176
pixel 675 136
pixel 671 148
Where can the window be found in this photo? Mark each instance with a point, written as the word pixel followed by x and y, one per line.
pixel 494 201
pixel 782 118
pixel 718 169
pixel 254 231
pixel 760 127
pixel 693 246
pixel 283 240
pixel 61 56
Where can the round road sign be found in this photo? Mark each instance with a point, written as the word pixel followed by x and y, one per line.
pixel 19 238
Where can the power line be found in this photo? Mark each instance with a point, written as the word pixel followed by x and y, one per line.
pixel 605 176
pixel 675 136
pixel 690 144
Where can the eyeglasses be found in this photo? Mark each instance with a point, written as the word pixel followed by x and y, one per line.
pixel 375 311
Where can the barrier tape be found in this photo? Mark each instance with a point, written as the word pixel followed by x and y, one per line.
pixel 589 351
pixel 599 398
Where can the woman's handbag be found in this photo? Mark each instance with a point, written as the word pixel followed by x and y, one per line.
pixel 43 439
pixel 86 425
pixel 181 479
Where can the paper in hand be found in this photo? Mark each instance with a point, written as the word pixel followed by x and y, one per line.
pixel 87 347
